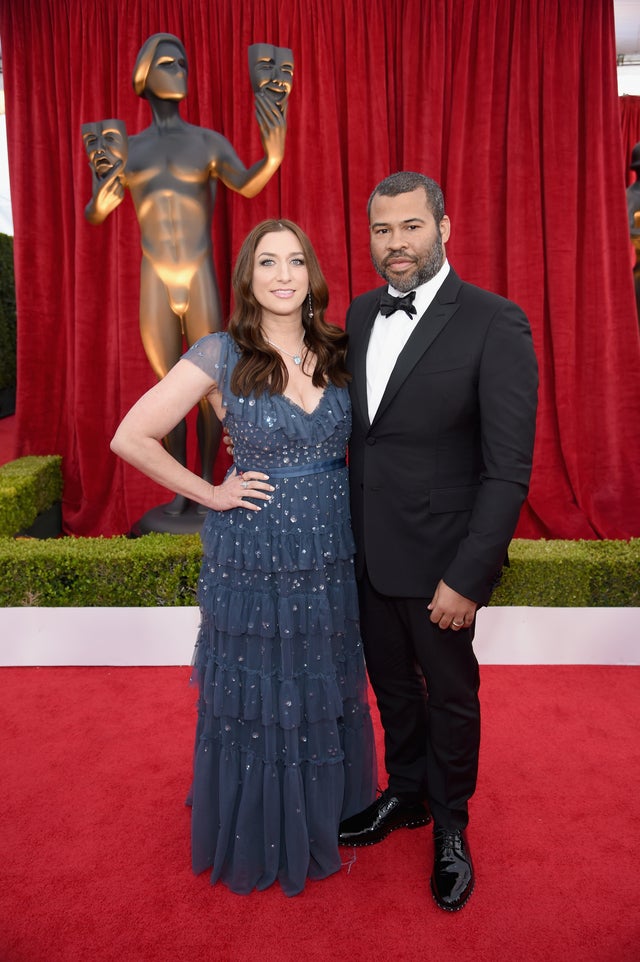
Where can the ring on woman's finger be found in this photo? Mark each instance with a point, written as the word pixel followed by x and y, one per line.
pixel 244 484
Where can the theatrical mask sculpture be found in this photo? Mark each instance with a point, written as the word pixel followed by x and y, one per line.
pixel 172 169
pixel 271 71
pixel 105 142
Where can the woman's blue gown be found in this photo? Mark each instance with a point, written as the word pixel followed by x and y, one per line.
pixel 284 744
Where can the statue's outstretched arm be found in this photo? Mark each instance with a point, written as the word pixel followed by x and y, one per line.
pixel 273 130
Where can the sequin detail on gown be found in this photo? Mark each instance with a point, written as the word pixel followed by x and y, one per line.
pixel 284 743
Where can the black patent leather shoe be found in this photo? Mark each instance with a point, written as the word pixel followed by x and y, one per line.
pixel 452 880
pixel 383 816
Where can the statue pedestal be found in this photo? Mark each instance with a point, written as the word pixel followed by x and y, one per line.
pixel 188 522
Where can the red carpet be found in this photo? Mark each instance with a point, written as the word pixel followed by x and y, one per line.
pixel 94 835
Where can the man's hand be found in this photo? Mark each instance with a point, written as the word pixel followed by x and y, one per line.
pixel 227 440
pixel 451 610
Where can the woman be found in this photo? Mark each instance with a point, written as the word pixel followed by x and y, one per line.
pixel 284 746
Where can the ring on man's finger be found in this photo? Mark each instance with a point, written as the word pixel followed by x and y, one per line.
pixel 458 624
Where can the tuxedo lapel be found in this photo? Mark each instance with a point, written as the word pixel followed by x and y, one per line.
pixel 439 312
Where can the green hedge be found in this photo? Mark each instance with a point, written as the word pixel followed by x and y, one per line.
pixel 571 574
pixel 162 569
pixel 28 487
pixel 155 570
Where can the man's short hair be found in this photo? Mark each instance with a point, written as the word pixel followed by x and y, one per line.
pixel 405 181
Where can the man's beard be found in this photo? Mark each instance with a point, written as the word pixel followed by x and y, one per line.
pixel 426 268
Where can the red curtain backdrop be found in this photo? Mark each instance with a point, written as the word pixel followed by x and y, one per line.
pixel 511 104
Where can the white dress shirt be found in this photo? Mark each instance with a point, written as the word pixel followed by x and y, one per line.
pixel 390 334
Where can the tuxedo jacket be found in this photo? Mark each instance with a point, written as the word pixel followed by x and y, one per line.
pixel 440 474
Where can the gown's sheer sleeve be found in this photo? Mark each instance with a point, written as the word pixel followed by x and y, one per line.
pixel 210 355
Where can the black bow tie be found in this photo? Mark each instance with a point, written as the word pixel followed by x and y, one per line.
pixel 389 304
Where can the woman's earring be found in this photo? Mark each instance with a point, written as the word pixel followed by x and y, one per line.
pixel 310 307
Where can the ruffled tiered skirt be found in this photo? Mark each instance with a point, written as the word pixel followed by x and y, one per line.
pixel 284 744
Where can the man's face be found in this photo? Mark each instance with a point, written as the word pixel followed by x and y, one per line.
pixel 105 142
pixel 407 247
pixel 167 77
pixel 271 69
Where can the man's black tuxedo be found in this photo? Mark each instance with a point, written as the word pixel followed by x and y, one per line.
pixel 439 477
pixel 437 482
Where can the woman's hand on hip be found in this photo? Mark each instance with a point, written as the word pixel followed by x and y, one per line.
pixel 238 487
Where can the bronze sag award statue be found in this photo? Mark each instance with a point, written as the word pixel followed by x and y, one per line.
pixel 172 169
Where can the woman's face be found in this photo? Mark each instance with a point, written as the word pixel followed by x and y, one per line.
pixel 280 279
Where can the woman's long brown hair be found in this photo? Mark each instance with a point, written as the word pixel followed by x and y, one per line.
pixel 261 367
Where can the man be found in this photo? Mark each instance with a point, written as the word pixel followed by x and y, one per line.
pixel 444 400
